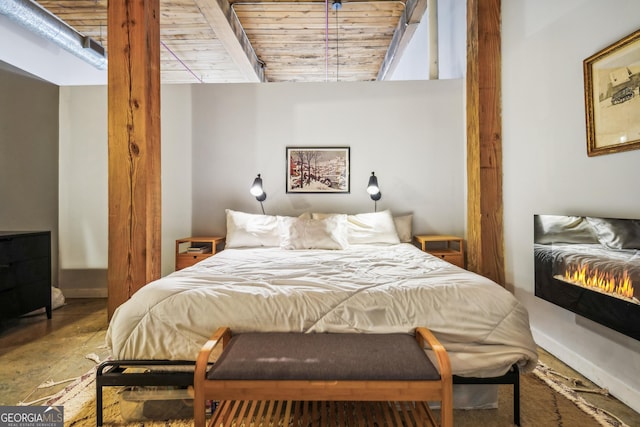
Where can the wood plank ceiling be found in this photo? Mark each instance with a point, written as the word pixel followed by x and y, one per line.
pixel 230 41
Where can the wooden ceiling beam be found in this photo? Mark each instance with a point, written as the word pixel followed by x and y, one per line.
pixel 225 24
pixel 407 25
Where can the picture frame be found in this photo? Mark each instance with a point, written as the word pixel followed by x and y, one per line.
pixel 612 97
pixel 318 169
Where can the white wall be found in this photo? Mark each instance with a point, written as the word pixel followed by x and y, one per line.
pixel 177 174
pixel 84 183
pixel 547 171
pixel 409 133
pixel 83 178
pixel 216 138
pixel 28 154
pixel 452 36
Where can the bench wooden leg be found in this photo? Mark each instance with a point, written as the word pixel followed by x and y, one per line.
pixel 221 336
pixel 199 409
pixel 446 408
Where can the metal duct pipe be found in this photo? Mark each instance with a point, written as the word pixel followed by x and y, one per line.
pixel 40 21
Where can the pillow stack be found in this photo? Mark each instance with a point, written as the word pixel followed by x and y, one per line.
pixel 316 231
pixel 312 233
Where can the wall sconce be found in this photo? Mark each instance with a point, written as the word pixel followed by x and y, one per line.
pixel 374 190
pixel 257 191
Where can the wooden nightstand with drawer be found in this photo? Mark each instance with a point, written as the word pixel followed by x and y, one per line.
pixel 449 248
pixel 191 250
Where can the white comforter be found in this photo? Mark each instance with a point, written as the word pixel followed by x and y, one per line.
pixel 367 289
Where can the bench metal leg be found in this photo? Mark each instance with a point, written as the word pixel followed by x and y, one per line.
pixel 98 404
pixel 112 373
pixel 516 397
pixel 512 377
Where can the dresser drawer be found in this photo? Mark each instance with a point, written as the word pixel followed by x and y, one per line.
pixel 34 295
pixel 24 272
pixel 187 260
pixel 453 259
pixel 7 278
pixel 17 248
pixel 9 306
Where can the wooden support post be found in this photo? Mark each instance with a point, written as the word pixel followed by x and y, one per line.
pixel 134 147
pixel 485 241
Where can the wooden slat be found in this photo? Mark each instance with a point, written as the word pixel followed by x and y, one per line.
pixel 302 28
pixel 322 413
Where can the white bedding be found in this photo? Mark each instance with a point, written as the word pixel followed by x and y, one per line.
pixel 365 288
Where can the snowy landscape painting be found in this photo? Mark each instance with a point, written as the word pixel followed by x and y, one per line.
pixel 317 169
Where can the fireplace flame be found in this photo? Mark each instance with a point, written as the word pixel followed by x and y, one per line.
pixel 604 281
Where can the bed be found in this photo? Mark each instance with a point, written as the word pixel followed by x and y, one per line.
pixel 326 273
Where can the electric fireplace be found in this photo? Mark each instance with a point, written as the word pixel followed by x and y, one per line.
pixel 590 266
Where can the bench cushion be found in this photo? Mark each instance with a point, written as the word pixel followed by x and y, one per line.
pixel 339 356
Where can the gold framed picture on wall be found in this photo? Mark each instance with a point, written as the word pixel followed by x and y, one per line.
pixel 612 97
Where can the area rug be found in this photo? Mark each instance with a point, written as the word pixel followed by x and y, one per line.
pixel 545 401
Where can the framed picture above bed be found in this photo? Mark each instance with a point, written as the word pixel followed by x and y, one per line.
pixel 318 170
pixel 612 97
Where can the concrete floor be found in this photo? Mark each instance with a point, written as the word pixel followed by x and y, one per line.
pixel 34 350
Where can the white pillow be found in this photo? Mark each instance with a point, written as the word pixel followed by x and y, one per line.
pixel 551 229
pixel 617 233
pixel 404 227
pixel 374 227
pixel 251 230
pixel 301 233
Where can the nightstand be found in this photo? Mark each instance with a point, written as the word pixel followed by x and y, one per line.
pixel 191 250
pixel 449 248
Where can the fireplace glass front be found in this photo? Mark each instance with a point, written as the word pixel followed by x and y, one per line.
pixel 590 266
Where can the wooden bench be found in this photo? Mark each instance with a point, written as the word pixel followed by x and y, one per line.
pixel 346 367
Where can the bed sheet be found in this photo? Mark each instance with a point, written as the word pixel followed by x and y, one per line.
pixel 365 289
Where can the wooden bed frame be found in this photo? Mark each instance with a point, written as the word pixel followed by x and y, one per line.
pixel 321 370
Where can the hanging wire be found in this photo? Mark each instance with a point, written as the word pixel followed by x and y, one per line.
pixel 337 4
pixel 181 61
pixel 326 40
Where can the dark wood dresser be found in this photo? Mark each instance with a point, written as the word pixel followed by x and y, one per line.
pixel 25 272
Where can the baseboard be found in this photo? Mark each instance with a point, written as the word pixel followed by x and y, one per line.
pixel 85 293
pixel 617 388
pixel 73 283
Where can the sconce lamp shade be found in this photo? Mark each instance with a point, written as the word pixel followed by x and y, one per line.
pixel 372 188
pixel 257 191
